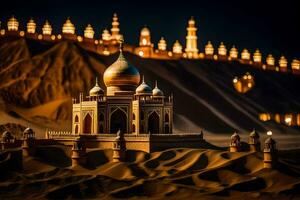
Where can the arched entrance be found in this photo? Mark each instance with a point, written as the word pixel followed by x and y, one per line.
pixel 87 124
pixel 118 121
pixel 153 123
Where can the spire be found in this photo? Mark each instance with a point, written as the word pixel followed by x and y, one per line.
pixel 156 84
pixel 121 41
pixel 143 79
pixel 96 81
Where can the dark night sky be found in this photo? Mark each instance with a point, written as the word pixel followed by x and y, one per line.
pixel 272 27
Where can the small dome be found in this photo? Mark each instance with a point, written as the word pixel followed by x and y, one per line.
pixel 121 76
pixel 191 21
pixel 68 27
pixel 89 32
pixel 47 29
pixel 143 89
pixel 145 31
pixel 157 92
pixel 254 134
pixel 96 90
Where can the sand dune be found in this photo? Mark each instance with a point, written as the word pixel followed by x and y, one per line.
pixel 170 174
pixel 36 74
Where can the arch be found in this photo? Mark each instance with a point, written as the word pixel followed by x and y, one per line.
pixel 167 119
pixel 167 129
pixel 76 129
pixel 101 129
pixel 118 121
pixel 142 115
pixel 87 124
pixel 76 118
pixel 133 116
pixel 153 123
pixel 101 117
pixel 133 128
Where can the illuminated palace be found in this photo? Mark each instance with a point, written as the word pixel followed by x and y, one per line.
pixel 144 115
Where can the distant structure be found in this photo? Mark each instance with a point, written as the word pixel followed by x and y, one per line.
pixel 107 44
pixel 254 142
pixel 270 152
pixel 191 40
pixel 78 152
pixel 7 139
pixel 28 145
pixel 119 148
pixel 235 143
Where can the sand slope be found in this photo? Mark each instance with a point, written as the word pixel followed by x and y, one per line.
pixel 170 174
pixel 35 75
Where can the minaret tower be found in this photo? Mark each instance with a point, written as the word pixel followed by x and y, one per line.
pixel 191 40
pixel 115 30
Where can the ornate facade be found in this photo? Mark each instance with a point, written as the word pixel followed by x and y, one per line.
pixel 125 105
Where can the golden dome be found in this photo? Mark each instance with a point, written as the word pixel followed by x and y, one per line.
pixel 270 60
pixel 106 35
pixel 143 89
pixel 191 21
pixel 177 48
pixel 68 27
pixel 222 49
pixel 283 62
pixel 233 52
pixel 96 90
pixel 89 32
pixel 145 31
pixel 121 76
pixel 209 49
pixel 257 56
pixel 162 44
pixel 12 24
pixel 157 92
pixel 47 29
pixel 245 55
pixel 31 26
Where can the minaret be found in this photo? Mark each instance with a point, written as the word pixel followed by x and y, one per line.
pixel 47 29
pixel 78 152
pixel 89 32
pixel 257 57
pixel 270 60
pixel 283 63
pixel 295 66
pixel 254 142
pixel 119 148
pixel 209 50
pixel 12 24
pixel 162 44
pixel 233 53
pixel 191 40
pixel 235 143
pixel 145 48
pixel 28 145
pixel 177 49
pixel 270 152
pixel 222 52
pixel 31 26
pixel 115 30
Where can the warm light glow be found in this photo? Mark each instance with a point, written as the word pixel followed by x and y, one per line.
pixel 31 26
pixel 115 30
pixel 177 48
pixel 106 52
pixel 295 64
pixel 244 84
pixel 264 117
pixel 96 42
pixel 170 53
pixel 235 80
pixel 269 133
pixel 40 37
pixel 47 29
pixel 233 53
pixel 245 55
pixel 283 62
pixel 106 35
pixel 162 44
pixel 89 32
pixel 141 53
pixel 191 39
pixel 68 27
pixel 209 49
pixel 79 39
pixel 52 37
pixel 270 60
pixel 288 119
pixel 59 36
pixel 12 24
pixel 22 33
pixel 145 32
pixel 222 49
pixel 257 56
pixel 2 32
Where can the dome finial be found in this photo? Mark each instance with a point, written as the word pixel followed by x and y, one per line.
pixel 121 41
pixel 143 79
pixel 96 81
pixel 156 84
